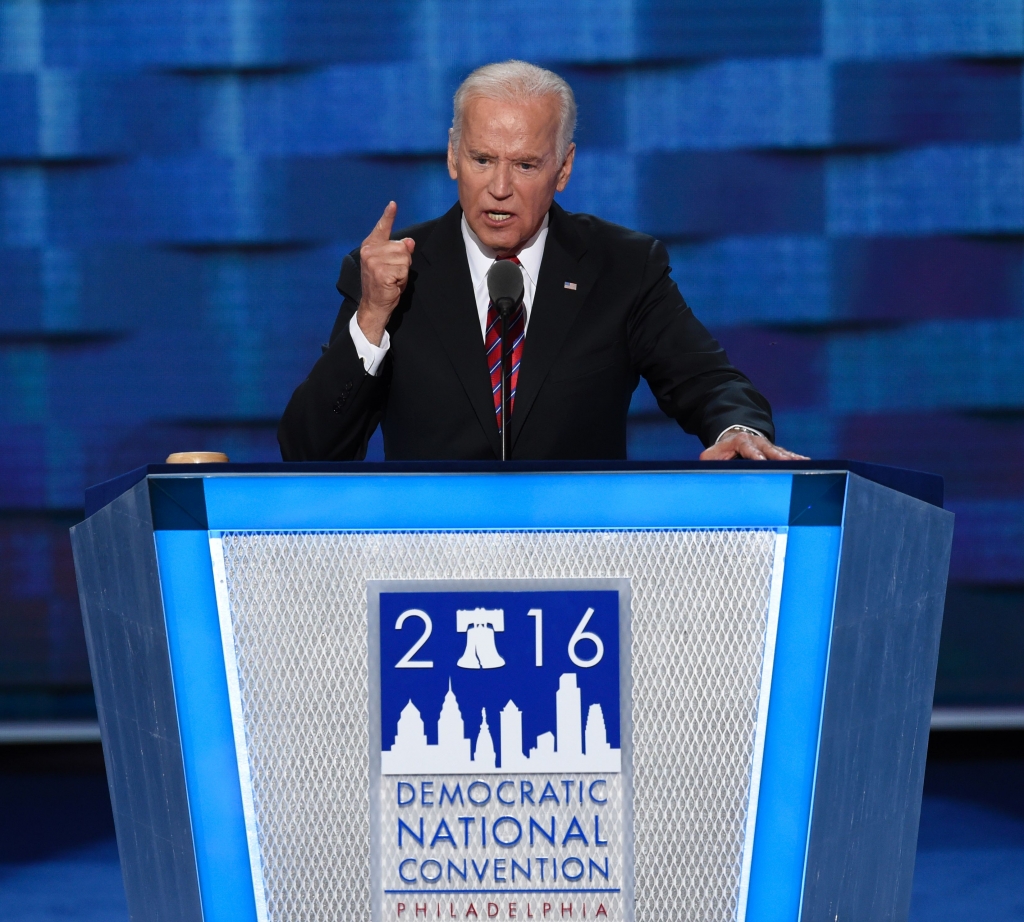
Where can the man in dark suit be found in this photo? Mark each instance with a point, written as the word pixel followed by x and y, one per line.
pixel 415 344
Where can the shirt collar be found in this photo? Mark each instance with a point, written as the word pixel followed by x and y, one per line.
pixel 482 257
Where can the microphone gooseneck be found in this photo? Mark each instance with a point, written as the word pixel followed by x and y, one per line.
pixel 505 287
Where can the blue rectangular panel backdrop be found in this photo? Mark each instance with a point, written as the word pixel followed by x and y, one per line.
pixel 840 184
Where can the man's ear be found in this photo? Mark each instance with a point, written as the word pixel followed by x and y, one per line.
pixel 453 163
pixel 565 171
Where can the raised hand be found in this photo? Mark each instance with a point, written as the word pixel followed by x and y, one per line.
pixel 384 265
pixel 739 444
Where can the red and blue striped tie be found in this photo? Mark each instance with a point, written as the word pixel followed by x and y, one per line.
pixel 492 343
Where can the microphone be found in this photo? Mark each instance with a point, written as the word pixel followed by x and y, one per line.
pixel 505 286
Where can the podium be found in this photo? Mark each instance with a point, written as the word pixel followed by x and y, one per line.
pixel 727 670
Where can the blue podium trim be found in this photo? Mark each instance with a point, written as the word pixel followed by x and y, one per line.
pixel 794 725
pixel 470 502
pixel 925 487
pixel 177 503
pixel 204 720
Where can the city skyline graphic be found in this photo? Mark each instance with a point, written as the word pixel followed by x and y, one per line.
pixel 572 747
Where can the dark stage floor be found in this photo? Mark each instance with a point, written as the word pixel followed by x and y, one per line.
pixel 58 858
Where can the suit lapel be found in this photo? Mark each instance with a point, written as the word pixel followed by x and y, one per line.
pixel 554 311
pixel 446 293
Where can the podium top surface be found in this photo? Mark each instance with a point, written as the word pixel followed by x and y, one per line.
pixel 922 486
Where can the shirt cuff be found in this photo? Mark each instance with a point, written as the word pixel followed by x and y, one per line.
pixel 739 429
pixel 371 355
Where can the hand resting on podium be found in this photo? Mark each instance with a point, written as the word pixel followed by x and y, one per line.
pixel 738 443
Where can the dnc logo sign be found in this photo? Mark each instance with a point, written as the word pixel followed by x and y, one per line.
pixel 500 749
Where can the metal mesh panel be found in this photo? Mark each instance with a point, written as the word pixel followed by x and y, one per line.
pixel 298 607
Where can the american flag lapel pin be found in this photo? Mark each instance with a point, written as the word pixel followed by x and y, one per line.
pixel 571 286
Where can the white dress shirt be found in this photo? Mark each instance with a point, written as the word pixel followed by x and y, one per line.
pixel 481 258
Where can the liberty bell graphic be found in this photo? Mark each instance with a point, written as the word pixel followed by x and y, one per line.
pixel 479 626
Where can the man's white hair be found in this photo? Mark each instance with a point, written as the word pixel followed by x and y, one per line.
pixel 518 81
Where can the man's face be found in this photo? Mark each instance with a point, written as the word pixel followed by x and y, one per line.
pixel 506 168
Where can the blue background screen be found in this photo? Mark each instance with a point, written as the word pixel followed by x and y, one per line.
pixel 839 183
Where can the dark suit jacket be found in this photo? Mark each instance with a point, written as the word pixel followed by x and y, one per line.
pixel 584 352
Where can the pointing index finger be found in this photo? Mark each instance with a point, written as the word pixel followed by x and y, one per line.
pixel 381 232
